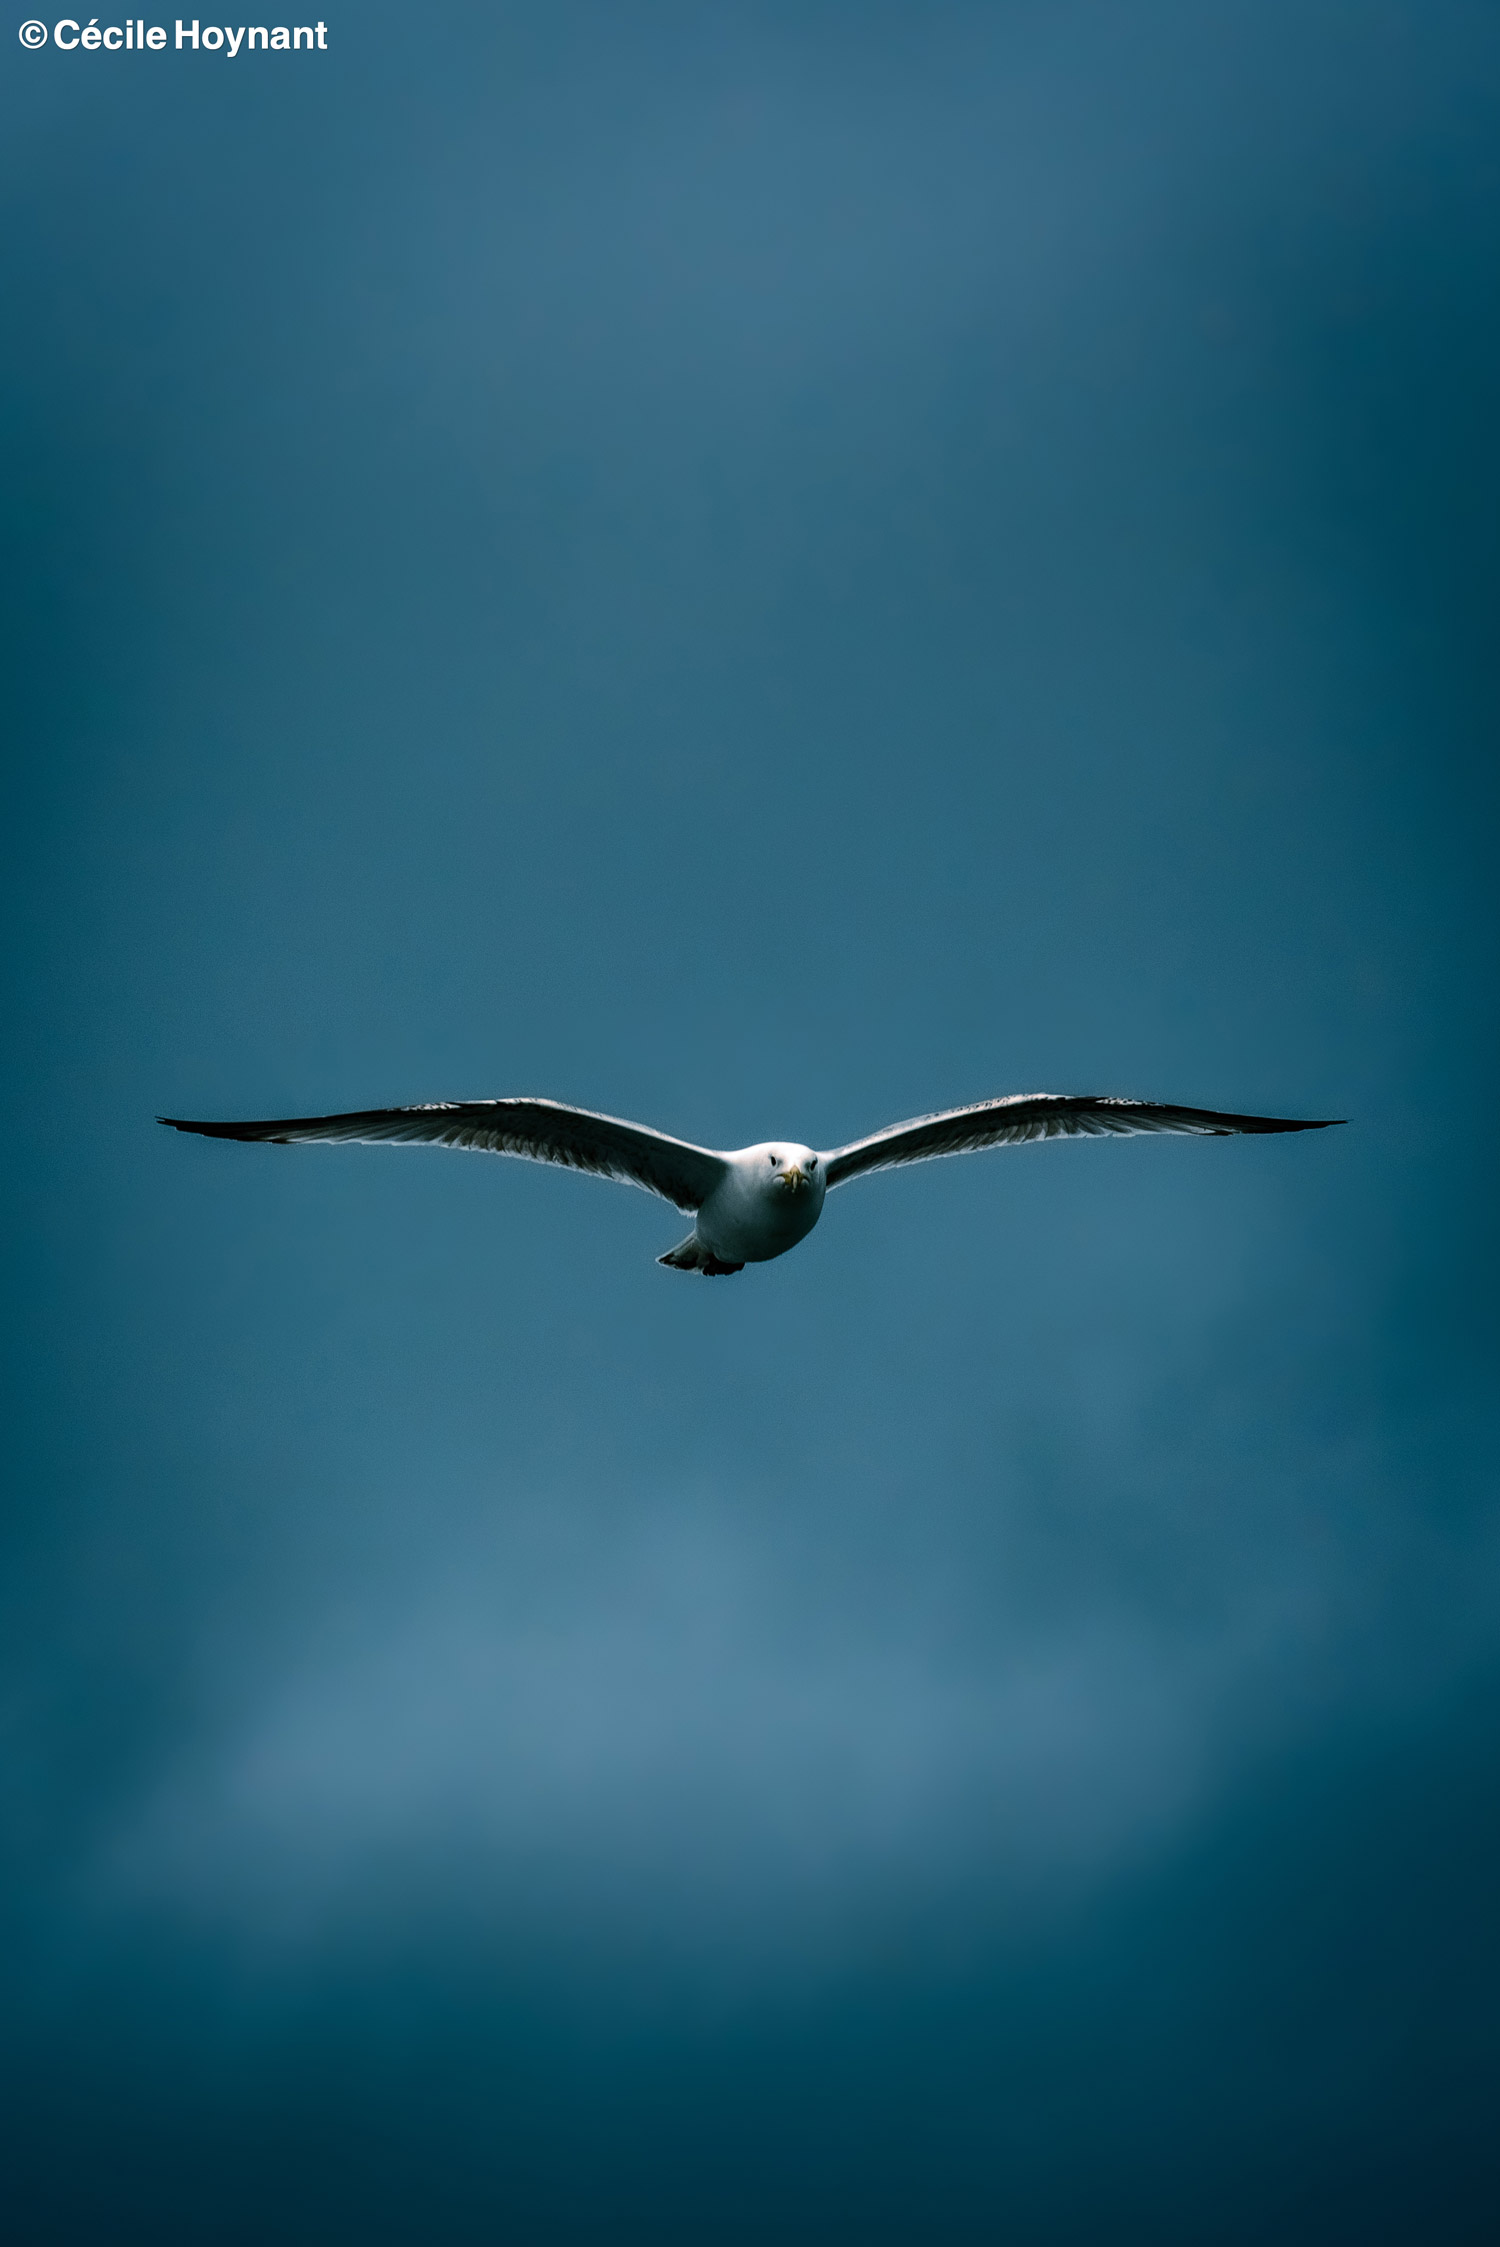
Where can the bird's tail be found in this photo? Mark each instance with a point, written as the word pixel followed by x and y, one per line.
pixel 691 1256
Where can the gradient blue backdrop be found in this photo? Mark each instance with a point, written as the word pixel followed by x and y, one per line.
pixel 763 567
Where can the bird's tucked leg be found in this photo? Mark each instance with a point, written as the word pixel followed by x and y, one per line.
pixel 691 1256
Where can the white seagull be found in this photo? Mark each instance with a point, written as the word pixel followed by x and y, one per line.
pixel 755 1202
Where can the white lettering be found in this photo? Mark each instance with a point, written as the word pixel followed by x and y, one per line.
pixel 136 35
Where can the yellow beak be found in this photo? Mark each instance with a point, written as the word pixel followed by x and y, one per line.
pixel 793 1176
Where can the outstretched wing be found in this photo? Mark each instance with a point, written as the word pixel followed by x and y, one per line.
pixel 1037 1115
pixel 545 1130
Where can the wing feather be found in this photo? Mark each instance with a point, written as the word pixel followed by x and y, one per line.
pixel 1038 1115
pixel 543 1130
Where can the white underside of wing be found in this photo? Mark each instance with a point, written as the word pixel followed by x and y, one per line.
pixel 1019 1118
pixel 533 1129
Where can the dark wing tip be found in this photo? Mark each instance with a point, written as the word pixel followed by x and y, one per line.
pixel 1221 1124
pixel 219 1130
pixel 1299 1123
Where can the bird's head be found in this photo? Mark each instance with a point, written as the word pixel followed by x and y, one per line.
pixel 789 1169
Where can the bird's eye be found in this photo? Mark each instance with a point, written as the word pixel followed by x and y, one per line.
pixel 775 1159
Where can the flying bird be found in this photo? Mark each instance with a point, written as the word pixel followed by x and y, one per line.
pixel 753 1203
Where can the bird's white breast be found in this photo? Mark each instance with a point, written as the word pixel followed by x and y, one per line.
pixel 752 1214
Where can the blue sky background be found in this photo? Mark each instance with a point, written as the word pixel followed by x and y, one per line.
pixel 767 569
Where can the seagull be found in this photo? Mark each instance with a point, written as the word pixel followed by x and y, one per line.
pixel 754 1203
